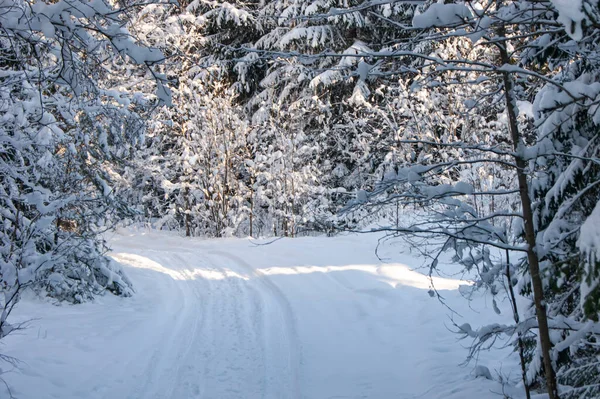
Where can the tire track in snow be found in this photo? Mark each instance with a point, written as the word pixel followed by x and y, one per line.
pixel 171 335
pixel 215 334
pixel 290 334
pixel 160 373
pixel 235 356
pixel 226 339
pixel 185 366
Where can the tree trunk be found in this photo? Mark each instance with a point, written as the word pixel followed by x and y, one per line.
pixel 251 209
pixel 515 310
pixel 532 257
pixel 187 212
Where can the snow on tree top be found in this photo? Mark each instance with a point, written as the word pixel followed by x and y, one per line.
pixel 441 15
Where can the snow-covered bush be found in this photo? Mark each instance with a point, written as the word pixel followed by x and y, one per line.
pixel 66 119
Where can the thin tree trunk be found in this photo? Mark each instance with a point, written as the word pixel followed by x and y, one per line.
pixel 513 301
pixel 251 207
pixel 187 211
pixel 532 257
pixel 493 209
pixel 58 224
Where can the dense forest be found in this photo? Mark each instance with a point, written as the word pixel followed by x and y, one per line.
pixel 468 126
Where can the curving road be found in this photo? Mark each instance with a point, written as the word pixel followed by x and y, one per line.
pixel 219 319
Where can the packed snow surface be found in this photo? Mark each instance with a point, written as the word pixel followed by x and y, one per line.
pixel 299 318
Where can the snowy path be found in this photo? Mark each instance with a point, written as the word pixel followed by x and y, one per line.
pixel 304 318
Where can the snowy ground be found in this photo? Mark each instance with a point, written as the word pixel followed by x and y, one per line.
pixel 299 318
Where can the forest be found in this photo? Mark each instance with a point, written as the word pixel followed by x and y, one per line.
pixel 468 129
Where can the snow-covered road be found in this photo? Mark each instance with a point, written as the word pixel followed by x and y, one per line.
pixel 301 318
